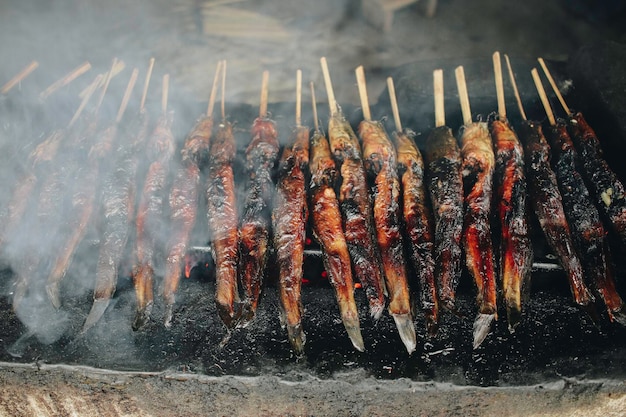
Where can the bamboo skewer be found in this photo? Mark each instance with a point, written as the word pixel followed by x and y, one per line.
pixel 119 67
pixel 394 104
pixel 440 113
pixel 264 94
pixel 554 87
pixel 146 83
pixel 223 104
pixel 65 80
pixel 209 111
pixel 314 105
pixel 165 93
pixel 106 85
pixel 126 98
pixel 332 103
pixel 463 96
pixel 365 106
pixel 89 92
pixel 298 98
pixel 19 77
pixel 497 69
pixel 543 96
pixel 520 106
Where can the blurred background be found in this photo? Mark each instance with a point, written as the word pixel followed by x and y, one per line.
pixel 188 37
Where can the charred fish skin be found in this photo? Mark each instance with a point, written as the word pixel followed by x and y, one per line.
pixel 183 203
pixel 380 164
pixel 328 231
pixel 584 219
pixel 443 173
pixel 118 203
pixel 289 219
pixel 356 211
pixel 53 201
pixel 223 223
pixel 149 220
pixel 548 206
pixel 608 190
pixel 39 159
pixel 418 225
pixel 196 148
pixel 83 202
pixel 478 161
pixel 261 156
pixel 516 251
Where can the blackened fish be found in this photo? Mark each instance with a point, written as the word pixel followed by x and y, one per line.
pixel 477 172
pixel 443 173
pixel 223 222
pixel 380 164
pixel 608 190
pixel 588 233
pixel 516 251
pixel 261 156
pixel 183 204
pixel 418 225
pixel 327 230
pixel 548 206
pixel 356 211
pixel 149 220
pixel 289 220
pixel 118 206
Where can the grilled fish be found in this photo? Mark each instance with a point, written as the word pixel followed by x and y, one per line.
pixel 380 164
pixel 289 220
pixel 356 211
pixel 327 230
pixel 516 251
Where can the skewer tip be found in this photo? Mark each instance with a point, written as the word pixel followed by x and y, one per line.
pixel 142 316
pixel 297 338
pixel 481 328
pixel 95 314
pixel 264 94
pixel 354 333
pixel 406 329
pixel 52 290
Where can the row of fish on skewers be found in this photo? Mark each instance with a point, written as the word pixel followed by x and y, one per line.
pixel 74 173
pixel 368 200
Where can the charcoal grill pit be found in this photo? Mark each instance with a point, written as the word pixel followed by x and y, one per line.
pixel 555 349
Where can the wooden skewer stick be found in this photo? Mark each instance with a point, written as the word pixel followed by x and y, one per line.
pixel 119 67
pixel 298 98
pixel 209 111
pixel 332 103
pixel 362 85
pixel 19 77
pixel 65 80
pixel 126 98
pixel 543 96
pixel 89 92
pixel 314 105
pixel 554 87
pixel 106 85
pixel 264 94
pixel 146 83
pixel 394 104
pixel 165 93
pixel 497 69
pixel 515 90
pixel 440 113
pixel 463 96
pixel 223 90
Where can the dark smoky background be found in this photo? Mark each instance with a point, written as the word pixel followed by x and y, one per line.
pixel 187 38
